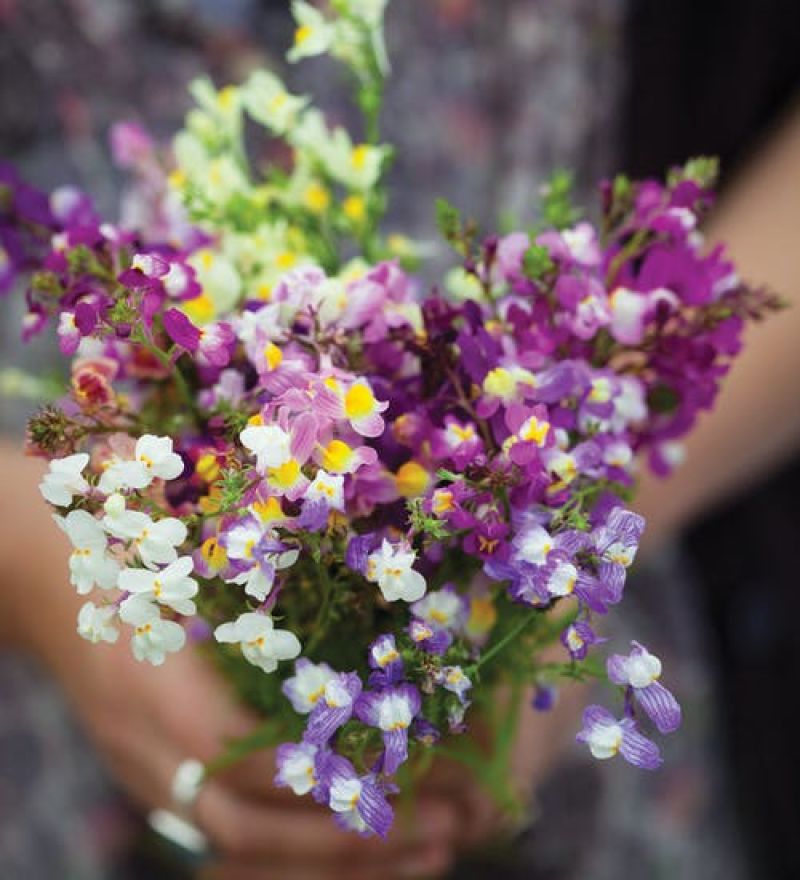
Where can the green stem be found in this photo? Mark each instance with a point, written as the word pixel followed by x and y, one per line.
pixel 321 623
pixel 509 637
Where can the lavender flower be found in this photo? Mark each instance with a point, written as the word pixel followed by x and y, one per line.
pixel 607 737
pixel 640 672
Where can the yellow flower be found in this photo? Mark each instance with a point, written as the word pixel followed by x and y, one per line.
pixel 412 479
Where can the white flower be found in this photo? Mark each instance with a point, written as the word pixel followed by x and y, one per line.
pixel 390 567
pixel 443 608
pixel 270 444
pixel 642 668
pixel 305 688
pixel 345 793
pixel 604 740
pixel 97 624
pixel 268 102
pixel 154 541
pixel 534 545
pixel 562 579
pixel 314 34
pixel 153 638
pixel 64 479
pixel 249 543
pixel 88 562
pixel 153 458
pixel 328 488
pixel 262 644
pixel 171 586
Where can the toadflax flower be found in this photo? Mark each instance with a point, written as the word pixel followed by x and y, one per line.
pixel 391 710
pixel 96 624
pixel 640 671
pixel 64 479
pixel 390 567
pixel 153 638
pixel 153 458
pixel 359 802
pixel 154 541
pixel 171 586
pixel 607 737
pixel 262 644
pixel 256 553
pixel 89 564
pixel 296 767
pixel 305 688
pixel 334 708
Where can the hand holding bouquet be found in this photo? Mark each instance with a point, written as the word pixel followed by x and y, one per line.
pixel 371 502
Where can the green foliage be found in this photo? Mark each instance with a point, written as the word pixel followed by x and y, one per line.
pixel 557 207
pixel 703 170
pixel 536 262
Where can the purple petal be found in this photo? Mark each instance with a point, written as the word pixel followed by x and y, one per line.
pixel 617 669
pixel 660 705
pixel 395 743
pixel 181 330
pixel 637 749
pixel 374 808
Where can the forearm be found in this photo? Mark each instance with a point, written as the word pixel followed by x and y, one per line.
pixel 756 423
pixel 37 606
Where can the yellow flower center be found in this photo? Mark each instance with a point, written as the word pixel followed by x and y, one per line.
pixel 442 501
pixel 200 309
pixel 359 401
pixel 303 34
pixel 285 260
pixel 499 383
pixel 317 198
pixel 214 554
pixel 355 208
pixel 273 356
pixel 207 467
pixel 268 510
pixel 285 476
pixel 412 479
pixel 336 456
pixel 535 431
pixel 359 156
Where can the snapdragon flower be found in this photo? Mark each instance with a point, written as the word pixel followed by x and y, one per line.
pixel 640 672
pixel 97 624
pixel 607 737
pixel 155 541
pixel 392 711
pixel 171 586
pixel 89 563
pixel 64 479
pixel 296 767
pixel 153 458
pixel 307 686
pixel 153 638
pixel 262 644
pixel 359 802
pixel 256 553
pixel 391 568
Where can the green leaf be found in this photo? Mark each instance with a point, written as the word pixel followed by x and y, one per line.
pixel 536 262
pixel 448 220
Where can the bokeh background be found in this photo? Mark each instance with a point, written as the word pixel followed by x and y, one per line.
pixel 485 101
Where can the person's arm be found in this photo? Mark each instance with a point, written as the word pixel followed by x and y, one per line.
pixel 756 423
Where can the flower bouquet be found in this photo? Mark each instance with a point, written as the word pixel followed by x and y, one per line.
pixel 372 502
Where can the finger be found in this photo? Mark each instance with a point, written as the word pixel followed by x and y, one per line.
pixel 243 828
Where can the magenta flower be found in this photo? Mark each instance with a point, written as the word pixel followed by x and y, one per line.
pixel 212 345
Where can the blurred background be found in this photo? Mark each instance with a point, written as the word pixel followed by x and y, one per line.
pixel 485 101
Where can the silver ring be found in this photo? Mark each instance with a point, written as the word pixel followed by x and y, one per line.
pixel 187 782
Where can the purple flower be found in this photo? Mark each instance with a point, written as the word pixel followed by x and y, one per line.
pixel 606 737
pixel 212 344
pixel 334 707
pixel 454 679
pixel 385 659
pixel 544 698
pixel 640 672
pixel 577 639
pixel 391 710
pixel 307 686
pixel 432 639
pixel 296 767
pixel 359 802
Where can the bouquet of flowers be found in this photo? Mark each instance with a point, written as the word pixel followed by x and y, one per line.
pixel 371 502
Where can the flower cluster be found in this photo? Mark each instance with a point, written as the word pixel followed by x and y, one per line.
pixel 286 455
